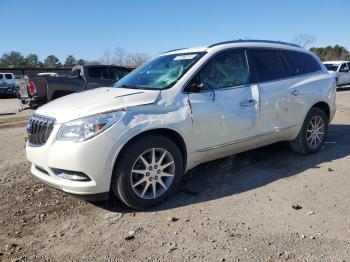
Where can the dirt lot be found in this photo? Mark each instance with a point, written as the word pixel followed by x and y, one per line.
pixel 235 209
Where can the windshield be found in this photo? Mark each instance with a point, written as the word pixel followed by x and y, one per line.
pixel 331 67
pixel 161 72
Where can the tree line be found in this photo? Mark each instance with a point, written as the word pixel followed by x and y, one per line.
pixel 16 59
pixel 329 53
pixel 119 56
pixel 122 57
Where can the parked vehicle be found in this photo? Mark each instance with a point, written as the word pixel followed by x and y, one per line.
pixel 185 107
pixel 341 71
pixel 8 84
pixel 36 91
pixel 52 74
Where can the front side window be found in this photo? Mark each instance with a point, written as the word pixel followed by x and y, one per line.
pixel 302 63
pixel 267 64
pixel 226 69
pixel 160 73
pixel 343 68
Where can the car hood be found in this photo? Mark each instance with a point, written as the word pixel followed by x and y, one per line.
pixel 96 101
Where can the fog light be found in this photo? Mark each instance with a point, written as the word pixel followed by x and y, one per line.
pixel 71 175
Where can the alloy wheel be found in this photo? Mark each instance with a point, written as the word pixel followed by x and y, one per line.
pixel 152 173
pixel 315 132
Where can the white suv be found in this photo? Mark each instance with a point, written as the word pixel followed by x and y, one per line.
pixel 185 107
pixel 341 71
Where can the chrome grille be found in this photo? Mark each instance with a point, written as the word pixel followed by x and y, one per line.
pixel 39 129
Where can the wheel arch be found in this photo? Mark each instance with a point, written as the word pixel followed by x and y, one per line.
pixel 323 106
pixel 173 135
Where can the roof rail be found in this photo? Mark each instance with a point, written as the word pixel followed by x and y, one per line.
pixel 254 41
pixel 174 50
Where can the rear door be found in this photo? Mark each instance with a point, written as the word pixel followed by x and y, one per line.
pixel 225 107
pixel 275 89
pixel 302 68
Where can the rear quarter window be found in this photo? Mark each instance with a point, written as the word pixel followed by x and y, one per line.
pixel 267 65
pixel 301 63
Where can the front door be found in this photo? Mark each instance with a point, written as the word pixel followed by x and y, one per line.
pixel 224 105
pixel 344 74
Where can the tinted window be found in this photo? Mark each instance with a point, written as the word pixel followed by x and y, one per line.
pixel 1 76
pixel 349 65
pixel 302 63
pixel 268 64
pixel 227 69
pixel 8 76
pixel 117 73
pixel 98 72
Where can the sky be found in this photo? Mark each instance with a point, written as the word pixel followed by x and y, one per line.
pixel 87 29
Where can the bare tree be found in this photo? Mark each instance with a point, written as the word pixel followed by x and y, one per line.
pixel 120 57
pixel 106 58
pixel 138 59
pixel 93 62
pixel 304 40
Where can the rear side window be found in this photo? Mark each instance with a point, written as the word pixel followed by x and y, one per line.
pixel 267 64
pixel 117 73
pixel 8 76
pixel 301 63
pixel 98 72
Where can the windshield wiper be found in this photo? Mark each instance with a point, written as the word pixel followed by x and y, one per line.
pixel 132 87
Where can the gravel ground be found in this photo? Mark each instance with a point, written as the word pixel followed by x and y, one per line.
pixel 268 204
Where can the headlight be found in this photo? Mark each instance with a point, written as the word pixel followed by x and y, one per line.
pixel 85 128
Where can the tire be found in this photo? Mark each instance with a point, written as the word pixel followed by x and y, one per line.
pixel 128 185
pixel 303 144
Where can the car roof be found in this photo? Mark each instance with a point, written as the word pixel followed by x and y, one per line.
pixel 335 62
pixel 237 43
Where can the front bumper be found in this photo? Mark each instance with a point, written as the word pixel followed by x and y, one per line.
pixel 7 91
pixel 94 157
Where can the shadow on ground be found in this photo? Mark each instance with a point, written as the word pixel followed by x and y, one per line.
pixel 343 88
pixel 247 171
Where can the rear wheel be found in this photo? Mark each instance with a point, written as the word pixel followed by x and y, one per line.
pixel 148 172
pixel 313 132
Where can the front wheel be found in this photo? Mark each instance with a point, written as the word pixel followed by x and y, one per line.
pixel 148 172
pixel 313 132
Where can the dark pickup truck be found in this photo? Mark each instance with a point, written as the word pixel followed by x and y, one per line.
pixel 38 90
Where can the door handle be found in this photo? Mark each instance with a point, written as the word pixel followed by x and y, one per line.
pixel 249 102
pixel 295 92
